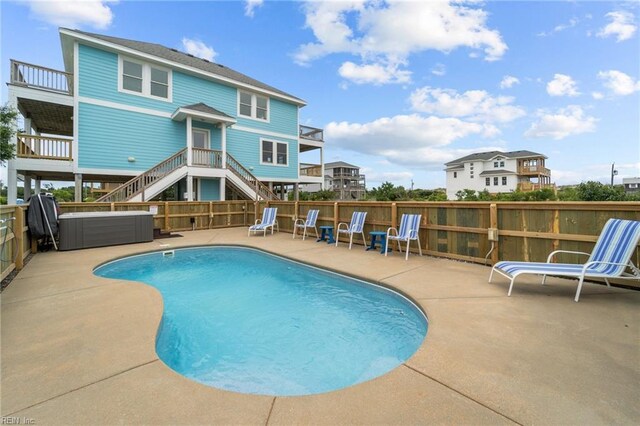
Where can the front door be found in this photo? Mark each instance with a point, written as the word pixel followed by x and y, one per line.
pixel 201 143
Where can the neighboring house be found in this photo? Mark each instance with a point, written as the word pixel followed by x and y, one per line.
pixel 342 178
pixel 497 172
pixel 631 185
pixel 150 118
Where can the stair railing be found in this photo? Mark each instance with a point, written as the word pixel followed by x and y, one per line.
pixel 138 184
pixel 248 178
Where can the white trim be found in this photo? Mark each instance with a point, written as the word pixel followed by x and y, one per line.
pixel 177 65
pixel 110 172
pixel 123 107
pixel 264 132
pixel 146 79
pixel 254 107
pixel 76 110
pixel 275 152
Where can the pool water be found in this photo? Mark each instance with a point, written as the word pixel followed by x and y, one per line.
pixel 243 320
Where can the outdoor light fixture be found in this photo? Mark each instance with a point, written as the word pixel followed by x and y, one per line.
pixel 131 159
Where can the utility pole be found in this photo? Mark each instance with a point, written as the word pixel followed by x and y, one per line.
pixel 613 172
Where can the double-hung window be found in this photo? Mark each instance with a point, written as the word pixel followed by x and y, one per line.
pixel 504 180
pixel 253 106
pixel 495 181
pixel 275 153
pixel 487 181
pixel 144 79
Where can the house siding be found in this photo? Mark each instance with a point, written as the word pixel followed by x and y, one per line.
pixel 108 136
pixel 245 147
pixel 131 136
pixel 209 189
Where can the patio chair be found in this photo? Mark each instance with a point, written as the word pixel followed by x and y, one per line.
pixel 355 227
pixel 409 231
pixel 268 221
pixel 610 258
pixel 310 222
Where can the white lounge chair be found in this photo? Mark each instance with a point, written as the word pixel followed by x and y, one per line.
pixel 610 258
pixel 409 231
pixel 268 221
pixel 310 222
pixel 355 227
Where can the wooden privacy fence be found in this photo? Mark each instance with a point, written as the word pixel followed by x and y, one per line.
pixel 457 230
pixel 15 245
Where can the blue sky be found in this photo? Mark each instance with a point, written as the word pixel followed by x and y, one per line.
pixel 402 87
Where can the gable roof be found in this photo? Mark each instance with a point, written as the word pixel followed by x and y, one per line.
pixel 174 55
pixel 484 156
pixel 202 107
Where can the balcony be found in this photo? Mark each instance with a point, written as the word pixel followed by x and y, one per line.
pixel 43 147
pixel 43 78
pixel 530 186
pixel 311 133
pixel 311 170
pixel 534 170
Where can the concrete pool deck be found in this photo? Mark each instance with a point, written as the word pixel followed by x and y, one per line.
pixel 79 349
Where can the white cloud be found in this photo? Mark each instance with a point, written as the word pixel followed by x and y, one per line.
pixel 404 139
pixel 508 81
pixel 597 95
pixel 566 122
pixel 73 13
pixel 250 7
pixel 373 73
pixel 387 33
pixel 375 175
pixel 622 26
pixel 198 49
pixel 558 28
pixel 476 105
pixel 562 85
pixel 439 70
pixel 618 82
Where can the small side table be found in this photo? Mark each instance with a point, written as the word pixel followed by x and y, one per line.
pixel 382 237
pixel 326 234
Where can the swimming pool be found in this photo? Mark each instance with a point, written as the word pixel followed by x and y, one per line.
pixel 243 320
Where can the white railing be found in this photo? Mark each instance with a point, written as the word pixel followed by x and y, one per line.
pixel 30 75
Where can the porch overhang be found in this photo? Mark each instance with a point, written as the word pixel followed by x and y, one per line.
pixel 203 112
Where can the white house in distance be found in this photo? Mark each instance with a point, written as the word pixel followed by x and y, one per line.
pixel 498 172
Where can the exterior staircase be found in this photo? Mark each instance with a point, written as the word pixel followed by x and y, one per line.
pixel 164 174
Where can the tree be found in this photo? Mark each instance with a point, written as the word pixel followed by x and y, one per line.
pixel 596 191
pixel 388 192
pixel 8 129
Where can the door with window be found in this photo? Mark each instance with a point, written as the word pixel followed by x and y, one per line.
pixel 201 146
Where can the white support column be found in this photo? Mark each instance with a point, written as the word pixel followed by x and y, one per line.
pixel 12 182
pixel 223 187
pixel 27 188
pixel 78 188
pixel 322 168
pixel 189 143
pixel 223 143
pixel 12 173
pixel 296 192
pixel 37 185
pixel 189 188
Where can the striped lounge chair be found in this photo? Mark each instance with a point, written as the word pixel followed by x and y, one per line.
pixel 268 221
pixel 408 231
pixel 310 222
pixel 355 227
pixel 610 258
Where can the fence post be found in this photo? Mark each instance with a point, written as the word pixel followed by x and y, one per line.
pixel 556 228
pixel 113 206
pixel 18 234
pixel 394 215
pixel 336 218
pixel 493 219
pixel 296 210
pixel 166 216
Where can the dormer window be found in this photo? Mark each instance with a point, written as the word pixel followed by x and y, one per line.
pixel 253 106
pixel 140 78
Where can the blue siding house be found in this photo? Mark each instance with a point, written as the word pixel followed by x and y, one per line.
pixel 139 118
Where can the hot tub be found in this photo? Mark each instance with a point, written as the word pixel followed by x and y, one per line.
pixel 99 229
